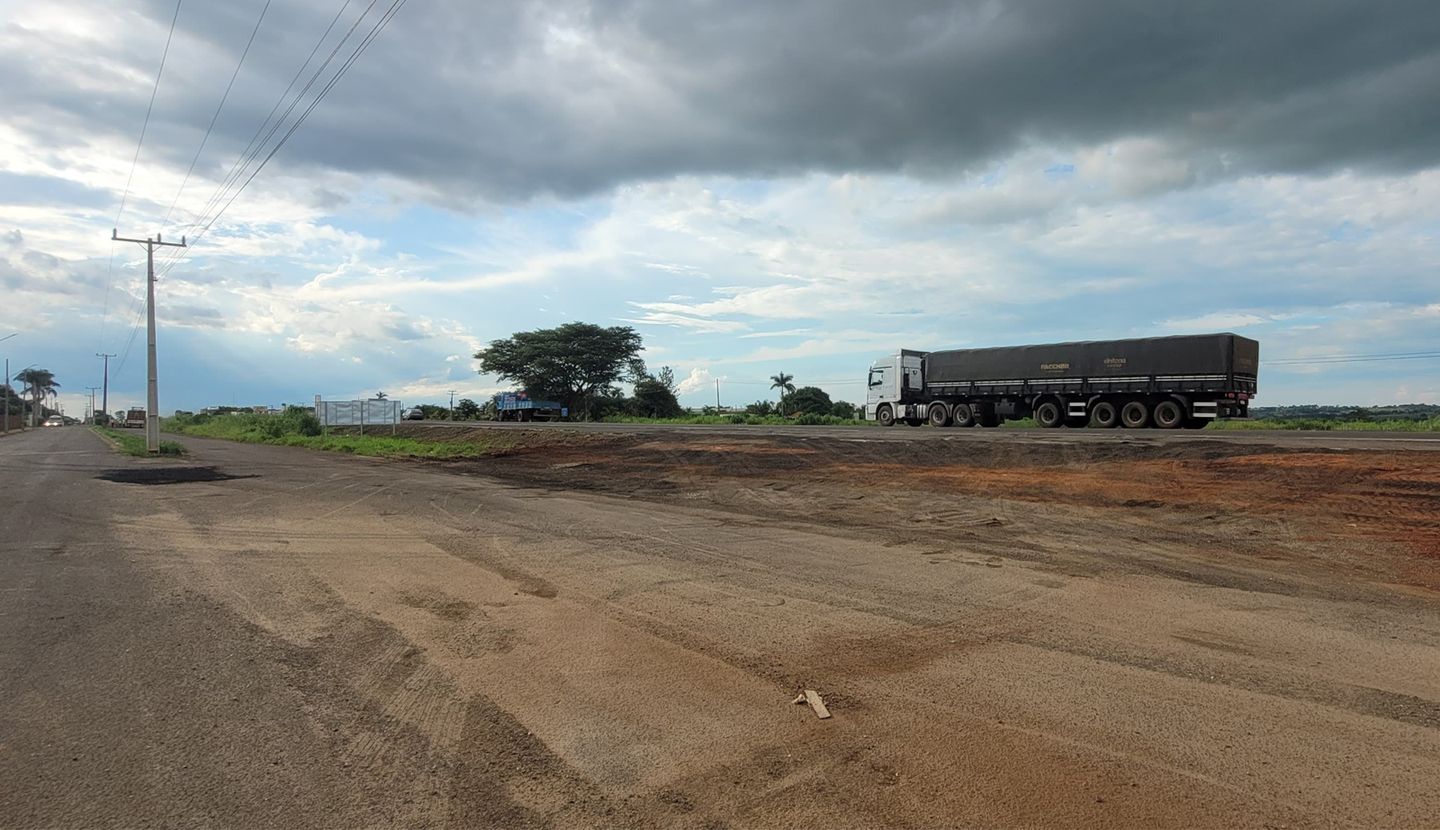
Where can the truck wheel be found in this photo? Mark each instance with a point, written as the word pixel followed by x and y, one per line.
pixel 886 416
pixel 1048 415
pixel 939 415
pixel 1169 415
pixel 1135 415
pixel 962 415
pixel 1104 415
pixel 914 422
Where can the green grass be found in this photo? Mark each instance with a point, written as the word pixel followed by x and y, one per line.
pixel 300 429
pixel 132 444
pixel 1428 425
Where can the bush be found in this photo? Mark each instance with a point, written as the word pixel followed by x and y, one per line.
pixel 739 419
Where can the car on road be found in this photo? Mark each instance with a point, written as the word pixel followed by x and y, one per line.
pixel 54 421
pixel 414 413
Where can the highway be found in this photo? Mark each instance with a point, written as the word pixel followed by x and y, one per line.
pixel 1296 439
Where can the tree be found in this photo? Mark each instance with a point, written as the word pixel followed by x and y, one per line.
pixel 782 382
pixel 380 396
pixel 40 384
pixel 810 400
pixel 843 409
pixel 655 395
pixel 467 410
pixel 572 363
pixel 761 408
pixel 434 412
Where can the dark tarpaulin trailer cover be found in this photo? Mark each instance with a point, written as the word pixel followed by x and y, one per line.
pixel 1188 354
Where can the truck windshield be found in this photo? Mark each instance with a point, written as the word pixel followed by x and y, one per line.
pixel 877 377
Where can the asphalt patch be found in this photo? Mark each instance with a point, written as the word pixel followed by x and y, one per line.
pixel 166 475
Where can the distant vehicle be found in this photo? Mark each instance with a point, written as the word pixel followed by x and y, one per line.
pixel 134 419
pixel 54 421
pixel 1165 382
pixel 414 413
pixel 517 406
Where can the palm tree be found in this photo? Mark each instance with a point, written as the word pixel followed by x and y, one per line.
pixel 40 383
pixel 782 382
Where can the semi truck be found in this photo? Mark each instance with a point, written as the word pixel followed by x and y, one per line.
pixel 1185 381
pixel 518 406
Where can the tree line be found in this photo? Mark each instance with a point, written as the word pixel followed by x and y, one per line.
pixel 581 366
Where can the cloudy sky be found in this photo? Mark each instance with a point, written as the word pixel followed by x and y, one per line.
pixel 755 186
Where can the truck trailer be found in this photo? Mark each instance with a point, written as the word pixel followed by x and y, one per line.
pixel 518 406
pixel 1163 382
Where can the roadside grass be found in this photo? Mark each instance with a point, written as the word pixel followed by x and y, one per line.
pixel 132 444
pixel 298 428
pixel 1427 425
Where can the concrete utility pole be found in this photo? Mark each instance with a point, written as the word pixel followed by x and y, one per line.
pixel 105 385
pixel 152 397
pixel 452 404
pixel 717 396
pixel 93 390
pixel 8 391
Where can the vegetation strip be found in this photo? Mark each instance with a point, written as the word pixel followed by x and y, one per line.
pixel 297 427
pixel 132 444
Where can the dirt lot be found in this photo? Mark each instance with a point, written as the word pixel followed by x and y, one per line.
pixel 1229 507
pixel 607 629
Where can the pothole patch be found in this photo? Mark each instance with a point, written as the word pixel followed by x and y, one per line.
pixel 166 475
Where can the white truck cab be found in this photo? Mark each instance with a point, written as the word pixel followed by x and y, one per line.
pixel 896 382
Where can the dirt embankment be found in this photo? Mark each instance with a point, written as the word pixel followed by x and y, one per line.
pixel 1375 513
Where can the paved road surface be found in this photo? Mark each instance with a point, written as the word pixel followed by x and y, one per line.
pixel 1336 439
pixel 268 636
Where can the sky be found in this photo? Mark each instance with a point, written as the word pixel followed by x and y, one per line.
pixel 756 187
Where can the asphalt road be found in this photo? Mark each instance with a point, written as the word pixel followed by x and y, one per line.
pixel 270 636
pixel 1324 439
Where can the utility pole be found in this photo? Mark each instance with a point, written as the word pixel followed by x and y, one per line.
pixel 105 386
pixel 452 405
pixel 152 397
pixel 9 391
pixel 93 390
pixel 717 396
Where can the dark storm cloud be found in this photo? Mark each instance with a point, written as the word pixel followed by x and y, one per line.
pixel 507 100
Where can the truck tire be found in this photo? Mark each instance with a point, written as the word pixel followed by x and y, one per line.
pixel 939 415
pixel 885 415
pixel 962 415
pixel 1135 415
pixel 915 422
pixel 1169 415
pixel 1049 415
pixel 1104 415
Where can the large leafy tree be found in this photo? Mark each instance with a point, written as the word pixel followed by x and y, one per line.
pixel 572 363
pixel 466 410
pixel 808 400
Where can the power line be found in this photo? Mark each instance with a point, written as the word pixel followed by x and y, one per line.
pixel 320 96
pixel 216 116
pixel 1352 358
pixel 246 156
pixel 105 313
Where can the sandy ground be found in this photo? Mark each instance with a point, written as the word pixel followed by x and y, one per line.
pixel 608 630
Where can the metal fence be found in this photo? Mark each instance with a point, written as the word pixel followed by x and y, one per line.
pixel 358 413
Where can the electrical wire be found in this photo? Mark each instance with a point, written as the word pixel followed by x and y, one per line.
pixel 216 116
pixel 315 102
pixel 124 197
pixel 1352 358
pixel 246 155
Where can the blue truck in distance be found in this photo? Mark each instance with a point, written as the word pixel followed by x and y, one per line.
pixel 517 406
